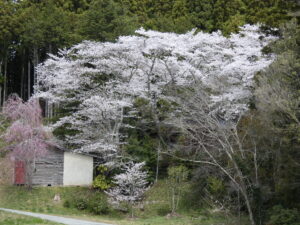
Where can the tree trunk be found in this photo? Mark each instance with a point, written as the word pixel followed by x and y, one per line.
pixel 48 108
pixel 5 80
pixel 29 173
pixel 29 79
pixel 252 221
pixel 1 103
pixel 35 63
pixel 50 48
pixel 243 189
pixel 154 112
pixel 0 83
pixel 157 163
pixel 23 75
pixel 239 207
pixel 173 200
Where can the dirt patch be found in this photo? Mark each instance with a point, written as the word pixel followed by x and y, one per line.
pixel 173 215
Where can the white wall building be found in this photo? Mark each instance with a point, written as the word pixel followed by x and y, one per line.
pixel 58 168
pixel 78 169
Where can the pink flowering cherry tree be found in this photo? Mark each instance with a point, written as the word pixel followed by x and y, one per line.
pixel 26 136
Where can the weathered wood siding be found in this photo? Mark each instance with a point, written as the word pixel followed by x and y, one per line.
pixel 49 170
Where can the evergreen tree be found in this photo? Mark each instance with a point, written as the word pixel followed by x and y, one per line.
pixel 8 29
pixel 105 20
pixel 202 13
pixel 270 12
pixel 7 24
pixel 277 100
pixel 227 15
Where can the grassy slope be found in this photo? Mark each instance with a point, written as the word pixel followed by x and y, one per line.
pixel 153 213
pixel 13 219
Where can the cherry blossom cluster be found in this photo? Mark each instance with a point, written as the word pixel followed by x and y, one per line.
pixel 98 82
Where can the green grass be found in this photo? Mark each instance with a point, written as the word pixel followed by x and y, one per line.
pixel 13 219
pixel 156 206
pixel 38 199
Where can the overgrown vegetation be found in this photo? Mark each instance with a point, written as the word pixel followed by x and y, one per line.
pixel 79 202
pixel 281 216
pixel 93 202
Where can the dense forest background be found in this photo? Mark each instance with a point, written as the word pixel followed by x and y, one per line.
pixel 31 29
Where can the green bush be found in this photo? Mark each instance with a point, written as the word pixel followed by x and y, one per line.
pixel 67 204
pixel 98 204
pixel 101 182
pixel 94 202
pixel 281 216
pixel 81 203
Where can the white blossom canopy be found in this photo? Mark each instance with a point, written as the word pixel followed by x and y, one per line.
pixel 105 78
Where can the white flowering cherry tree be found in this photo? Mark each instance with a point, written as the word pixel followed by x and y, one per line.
pixel 130 185
pixel 98 82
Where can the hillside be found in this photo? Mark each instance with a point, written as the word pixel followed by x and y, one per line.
pixel 41 200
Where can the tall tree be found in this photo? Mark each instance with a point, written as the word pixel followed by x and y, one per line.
pixel 8 26
pixel 103 84
pixel 277 101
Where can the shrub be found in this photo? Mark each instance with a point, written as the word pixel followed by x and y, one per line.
pixel 94 202
pixel 101 182
pixel 67 204
pixel 81 204
pixel 98 204
pixel 281 216
pixel 162 211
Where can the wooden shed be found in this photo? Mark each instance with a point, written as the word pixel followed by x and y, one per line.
pixel 58 168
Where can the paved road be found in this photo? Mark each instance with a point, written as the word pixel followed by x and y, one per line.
pixel 56 219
